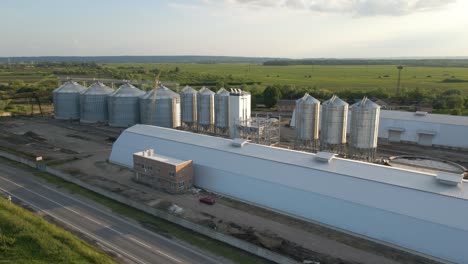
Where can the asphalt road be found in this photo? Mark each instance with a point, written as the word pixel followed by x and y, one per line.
pixel 129 240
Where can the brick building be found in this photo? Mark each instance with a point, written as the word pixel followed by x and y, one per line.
pixel 162 172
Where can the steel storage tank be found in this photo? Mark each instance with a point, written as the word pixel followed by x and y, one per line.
pixel 307 118
pixel 222 109
pixel 364 128
pixel 67 100
pixel 160 107
pixel 123 106
pixel 334 122
pixel 188 97
pixel 205 108
pixel 93 103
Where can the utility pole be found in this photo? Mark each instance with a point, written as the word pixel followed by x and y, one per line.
pixel 399 67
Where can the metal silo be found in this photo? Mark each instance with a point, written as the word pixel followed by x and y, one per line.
pixel 123 106
pixel 160 107
pixel 333 124
pixel 188 97
pixel 205 109
pixel 307 122
pixel 222 111
pixel 67 100
pixel 364 128
pixel 93 103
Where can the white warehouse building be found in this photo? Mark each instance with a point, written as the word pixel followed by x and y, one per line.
pixel 424 129
pixel 409 209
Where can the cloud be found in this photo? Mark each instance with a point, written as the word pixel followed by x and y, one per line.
pixel 354 7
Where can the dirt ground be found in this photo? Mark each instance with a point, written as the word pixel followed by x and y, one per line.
pixel 83 150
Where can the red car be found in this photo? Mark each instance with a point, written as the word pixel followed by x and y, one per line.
pixel 207 200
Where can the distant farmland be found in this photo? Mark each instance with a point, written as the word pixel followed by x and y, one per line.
pixel 333 78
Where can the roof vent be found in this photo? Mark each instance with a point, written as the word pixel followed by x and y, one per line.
pixel 239 142
pixel 325 156
pixel 449 178
pixel 420 113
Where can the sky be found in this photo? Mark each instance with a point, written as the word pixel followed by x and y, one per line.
pixel 252 28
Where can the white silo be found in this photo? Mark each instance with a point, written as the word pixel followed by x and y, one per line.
pixel 333 125
pixel 93 103
pixel 205 109
pixel 239 110
pixel 307 122
pixel 67 100
pixel 364 129
pixel 221 100
pixel 188 97
pixel 160 107
pixel 124 107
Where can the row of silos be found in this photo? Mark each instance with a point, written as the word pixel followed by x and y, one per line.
pixel 331 119
pixel 214 111
pixel 123 107
pixel 129 105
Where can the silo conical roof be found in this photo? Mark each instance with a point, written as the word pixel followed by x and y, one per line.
pixel 335 101
pixel 205 91
pixel 70 87
pixel 223 92
pixel 162 92
pixel 98 88
pixel 308 99
pixel 188 90
pixel 366 103
pixel 127 90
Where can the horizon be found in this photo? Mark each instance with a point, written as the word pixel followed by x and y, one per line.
pixel 293 29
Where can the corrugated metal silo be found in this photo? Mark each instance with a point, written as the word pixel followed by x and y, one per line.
pixel 364 128
pixel 333 124
pixel 222 109
pixel 307 119
pixel 67 100
pixel 93 103
pixel 160 107
pixel 205 108
pixel 123 106
pixel 188 98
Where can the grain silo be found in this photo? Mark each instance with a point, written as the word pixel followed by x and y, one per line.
pixel 364 128
pixel 93 103
pixel 333 125
pixel 160 107
pixel 67 100
pixel 188 97
pixel 307 122
pixel 205 110
pixel 123 106
pixel 239 111
pixel 221 100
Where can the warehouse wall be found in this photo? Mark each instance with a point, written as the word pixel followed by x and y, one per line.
pixel 418 220
pixel 445 134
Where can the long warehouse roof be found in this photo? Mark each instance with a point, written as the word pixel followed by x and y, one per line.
pixel 418 180
pixel 428 118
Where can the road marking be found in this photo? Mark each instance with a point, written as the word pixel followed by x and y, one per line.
pixel 126 221
pixel 139 242
pixel 108 244
pixel 92 220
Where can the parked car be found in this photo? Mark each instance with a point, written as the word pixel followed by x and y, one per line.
pixel 207 200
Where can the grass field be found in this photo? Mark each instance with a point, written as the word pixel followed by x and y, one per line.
pixel 27 238
pixel 333 78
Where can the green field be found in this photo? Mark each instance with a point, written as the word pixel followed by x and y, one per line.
pixel 333 78
pixel 444 88
pixel 27 238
